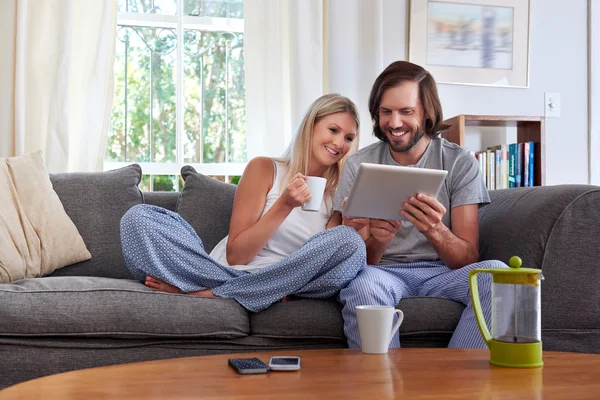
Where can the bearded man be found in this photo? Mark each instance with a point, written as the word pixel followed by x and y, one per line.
pixel 432 251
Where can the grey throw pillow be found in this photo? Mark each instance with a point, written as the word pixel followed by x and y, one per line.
pixel 206 204
pixel 95 202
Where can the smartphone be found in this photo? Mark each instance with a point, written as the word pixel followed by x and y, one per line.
pixel 248 365
pixel 284 363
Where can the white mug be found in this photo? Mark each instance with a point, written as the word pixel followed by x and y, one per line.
pixel 316 184
pixel 375 327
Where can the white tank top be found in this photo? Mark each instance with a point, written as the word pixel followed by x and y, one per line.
pixel 295 230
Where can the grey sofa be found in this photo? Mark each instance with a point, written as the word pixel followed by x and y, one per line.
pixel 92 313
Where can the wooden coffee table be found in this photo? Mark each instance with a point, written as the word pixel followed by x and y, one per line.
pixel 329 374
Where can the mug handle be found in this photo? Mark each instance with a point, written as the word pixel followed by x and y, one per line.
pixel 398 323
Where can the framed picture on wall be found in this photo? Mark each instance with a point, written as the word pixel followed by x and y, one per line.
pixel 471 42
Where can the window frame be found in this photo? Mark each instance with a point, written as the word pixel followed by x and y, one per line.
pixel 179 23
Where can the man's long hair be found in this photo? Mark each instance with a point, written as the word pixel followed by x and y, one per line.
pixel 403 71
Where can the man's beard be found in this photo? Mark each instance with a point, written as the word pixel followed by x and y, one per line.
pixel 416 134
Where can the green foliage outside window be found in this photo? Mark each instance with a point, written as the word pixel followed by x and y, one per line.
pixel 167 183
pixel 143 123
pixel 164 183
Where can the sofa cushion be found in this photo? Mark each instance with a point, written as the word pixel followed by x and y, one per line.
pixel 206 204
pixel 428 321
pixel 96 201
pixel 299 319
pixel 118 308
pixel 429 314
pixel 36 235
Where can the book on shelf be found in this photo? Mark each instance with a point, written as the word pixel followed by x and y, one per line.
pixel 519 164
pixel 507 165
pixel 528 163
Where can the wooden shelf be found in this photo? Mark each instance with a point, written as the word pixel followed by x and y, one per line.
pixel 529 129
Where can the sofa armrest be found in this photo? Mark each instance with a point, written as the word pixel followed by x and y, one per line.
pixel 556 229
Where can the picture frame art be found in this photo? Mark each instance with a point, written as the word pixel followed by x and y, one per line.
pixel 471 42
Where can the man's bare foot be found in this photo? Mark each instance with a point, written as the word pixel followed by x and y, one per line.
pixel 160 286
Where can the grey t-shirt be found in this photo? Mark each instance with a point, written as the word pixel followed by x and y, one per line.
pixel 463 185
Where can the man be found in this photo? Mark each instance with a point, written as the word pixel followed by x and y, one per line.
pixel 432 252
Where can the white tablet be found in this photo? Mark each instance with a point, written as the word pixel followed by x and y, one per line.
pixel 380 190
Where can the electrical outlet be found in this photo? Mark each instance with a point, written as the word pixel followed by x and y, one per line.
pixel 552 108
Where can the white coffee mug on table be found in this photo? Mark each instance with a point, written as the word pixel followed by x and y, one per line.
pixel 375 327
pixel 316 184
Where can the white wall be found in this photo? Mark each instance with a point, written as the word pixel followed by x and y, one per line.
pixel 354 53
pixel 558 63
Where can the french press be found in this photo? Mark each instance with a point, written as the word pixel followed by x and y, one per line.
pixel 516 339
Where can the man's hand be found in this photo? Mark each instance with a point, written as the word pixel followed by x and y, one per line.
pixel 360 224
pixel 424 212
pixel 383 230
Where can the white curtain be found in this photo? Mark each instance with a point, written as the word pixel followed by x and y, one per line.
pixel 283 56
pixel 355 56
pixel 295 51
pixel 61 77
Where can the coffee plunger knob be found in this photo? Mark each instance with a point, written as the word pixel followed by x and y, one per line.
pixel 515 262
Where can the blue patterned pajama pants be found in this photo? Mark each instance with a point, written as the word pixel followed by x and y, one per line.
pixel 160 243
pixel 388 284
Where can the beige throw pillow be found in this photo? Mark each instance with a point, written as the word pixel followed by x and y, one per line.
pixel 36 235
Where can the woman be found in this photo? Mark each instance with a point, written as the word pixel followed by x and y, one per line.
pixel 274 248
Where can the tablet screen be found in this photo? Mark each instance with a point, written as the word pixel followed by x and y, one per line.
pixel 380 190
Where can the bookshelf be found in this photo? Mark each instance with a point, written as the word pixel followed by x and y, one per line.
pixel 529 129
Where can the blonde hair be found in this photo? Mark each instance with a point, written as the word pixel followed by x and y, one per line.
pixel 298 154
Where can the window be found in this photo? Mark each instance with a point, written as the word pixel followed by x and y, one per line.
pixel 179 90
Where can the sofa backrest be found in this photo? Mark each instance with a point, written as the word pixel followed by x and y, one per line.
pixel 166 200
pixel 206 204
pixel 555 229
pixel 97 201
pixel 523 221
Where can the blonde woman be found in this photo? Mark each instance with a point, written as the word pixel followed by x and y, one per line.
pixel 274 249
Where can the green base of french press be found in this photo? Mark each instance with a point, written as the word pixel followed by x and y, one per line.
pixel 516 355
